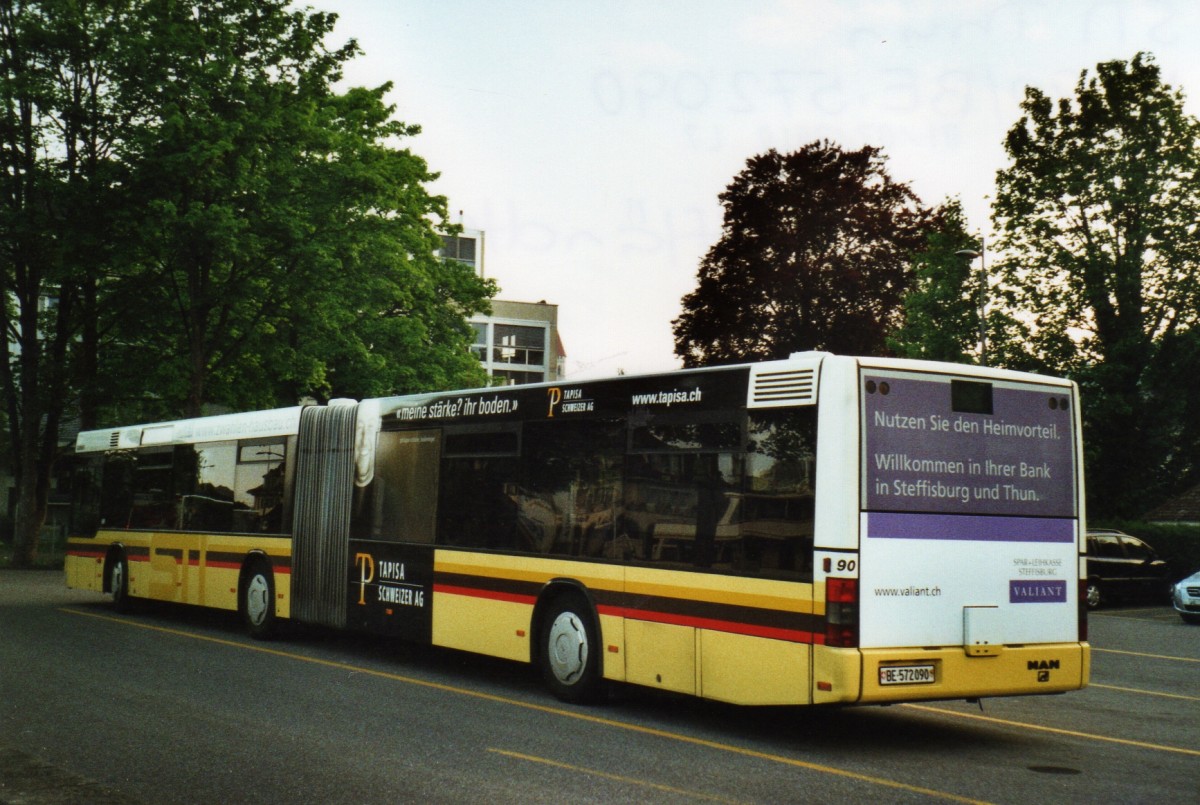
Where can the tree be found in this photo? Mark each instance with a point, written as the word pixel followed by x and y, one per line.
pixel 57 198
pixel 814 254
pixel 287 246
pixel 941 310
pixel 190 214
pixel 1098 215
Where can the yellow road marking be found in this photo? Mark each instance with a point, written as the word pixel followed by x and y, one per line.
pixel 1056 730
pixel 615 777
pixel 1146 692
pixel 591 719
pixel 1143 654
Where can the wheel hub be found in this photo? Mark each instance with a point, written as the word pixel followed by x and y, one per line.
pixel 256 599
pixel 568 648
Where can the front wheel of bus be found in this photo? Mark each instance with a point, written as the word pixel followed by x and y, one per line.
pixel 570 653
pixel 258 600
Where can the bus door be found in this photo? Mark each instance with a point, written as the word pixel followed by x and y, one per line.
pixel 393 521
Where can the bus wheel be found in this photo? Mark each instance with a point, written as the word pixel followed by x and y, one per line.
pixel 570 654
pixel 1094 596
pixel 118 582
pixel 257 600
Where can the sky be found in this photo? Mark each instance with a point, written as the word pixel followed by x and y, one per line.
pixel 590 141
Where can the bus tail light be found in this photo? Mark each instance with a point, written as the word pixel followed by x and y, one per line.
pixel 1083 611
pixel 841 612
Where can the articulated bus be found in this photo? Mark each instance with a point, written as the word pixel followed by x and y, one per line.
pixel 817 530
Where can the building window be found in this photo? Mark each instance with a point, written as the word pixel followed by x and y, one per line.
pixel 479 346
pixel 519 345
pixel 517 378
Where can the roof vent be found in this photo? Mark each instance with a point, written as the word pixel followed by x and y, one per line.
pixel 784 387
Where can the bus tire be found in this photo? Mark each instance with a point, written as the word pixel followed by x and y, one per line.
pixel 570 650
pixel 117 582
pixel 256 599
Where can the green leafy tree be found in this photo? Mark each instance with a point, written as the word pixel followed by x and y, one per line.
pixel 814 254
pixel 287 246
pixel 1098 215
pixel 190 214
pixel 941 310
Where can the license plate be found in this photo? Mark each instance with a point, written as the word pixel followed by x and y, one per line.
pixel 906 675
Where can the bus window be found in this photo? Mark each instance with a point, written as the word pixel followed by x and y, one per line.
pixel 700 495
pixel 146 489
pixel 86 498
pixel 258 493
pixel 776 520
pixel 400 502
pixel 206 493
pixel 571 478
pixel 477 506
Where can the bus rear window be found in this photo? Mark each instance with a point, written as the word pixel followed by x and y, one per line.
pixel 970 397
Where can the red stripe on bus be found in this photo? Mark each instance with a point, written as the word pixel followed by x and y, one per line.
pixel 494 595
pixel 734 627
pixel 751 630
pixel 91 554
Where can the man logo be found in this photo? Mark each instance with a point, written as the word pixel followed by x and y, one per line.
pixel 1043 668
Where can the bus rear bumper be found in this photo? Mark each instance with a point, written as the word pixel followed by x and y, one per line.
pixel 891 675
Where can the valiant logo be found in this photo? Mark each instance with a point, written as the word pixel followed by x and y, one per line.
pixel 1023 591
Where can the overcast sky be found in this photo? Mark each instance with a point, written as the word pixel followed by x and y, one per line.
pixel 590 141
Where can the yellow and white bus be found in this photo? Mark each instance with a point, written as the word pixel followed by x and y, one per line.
pixel 821 529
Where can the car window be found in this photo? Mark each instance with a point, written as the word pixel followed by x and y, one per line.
pixel 1136 549
pixel 1105 546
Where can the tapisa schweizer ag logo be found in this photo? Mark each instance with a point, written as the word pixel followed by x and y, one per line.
pixel 567 401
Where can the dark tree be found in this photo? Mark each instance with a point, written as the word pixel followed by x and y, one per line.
pixel 815 253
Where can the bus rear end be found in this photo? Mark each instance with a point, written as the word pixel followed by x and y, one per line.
pixel 963 575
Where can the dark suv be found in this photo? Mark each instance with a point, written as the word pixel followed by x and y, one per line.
pixel 1121 567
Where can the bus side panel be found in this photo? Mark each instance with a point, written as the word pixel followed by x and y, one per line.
pixel 485 602
pixel 837 675
pixel 660 655
pixel 738 639
pixel 85 564
pixel 752 670
pixel 200 569
pixel 836 525
pixel 457 623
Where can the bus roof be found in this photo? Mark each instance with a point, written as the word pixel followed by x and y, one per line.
pixel 248 425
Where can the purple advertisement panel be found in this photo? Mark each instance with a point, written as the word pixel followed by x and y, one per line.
pixel 946 445
pixel 896 525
